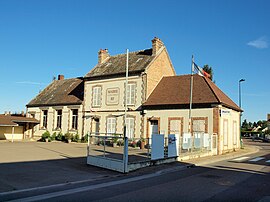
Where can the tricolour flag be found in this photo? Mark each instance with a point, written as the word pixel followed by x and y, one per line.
pixel 200 71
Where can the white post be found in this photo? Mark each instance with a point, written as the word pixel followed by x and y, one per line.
pixel 12 133
pixel 191 93
pixel 126 85
pixel 125 156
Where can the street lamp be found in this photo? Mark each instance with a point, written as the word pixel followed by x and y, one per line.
pixel 240 81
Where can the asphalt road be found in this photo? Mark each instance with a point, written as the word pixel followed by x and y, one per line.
pixel 243 178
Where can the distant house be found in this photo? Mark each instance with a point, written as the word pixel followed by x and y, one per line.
pixel 213 112
pixel 59 107
pixel 16 127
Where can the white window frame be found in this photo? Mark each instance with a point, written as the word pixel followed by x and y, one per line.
pixel 74 119
pixel 131 93
pixel 45 118
pixel 96 96
pixel 130 127
pixel 59 119
pixel 111 125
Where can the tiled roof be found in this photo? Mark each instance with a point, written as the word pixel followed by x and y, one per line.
pixel 115 65
pixel 175 90
pixel 60 92
pixel 10 120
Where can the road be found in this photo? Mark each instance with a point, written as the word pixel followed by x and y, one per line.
pixel 243 178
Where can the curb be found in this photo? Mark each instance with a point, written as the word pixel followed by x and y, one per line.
pixel 218 158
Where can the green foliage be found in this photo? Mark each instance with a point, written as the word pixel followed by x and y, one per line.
pixel 248 125
pixel 75 138
pixel 59 137
pixel 68 136
pixel 245 125
pixel 209 70
pixel 84 139
pixel 115 139
pixel 53 136
pixel 45 135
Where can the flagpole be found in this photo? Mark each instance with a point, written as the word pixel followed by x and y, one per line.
pixel 125 152
pixel 126 86
pixel 191 92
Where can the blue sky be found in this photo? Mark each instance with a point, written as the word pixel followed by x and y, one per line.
pixel 41 39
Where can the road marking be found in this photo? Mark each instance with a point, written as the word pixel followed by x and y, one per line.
pixel 267 161
pixel 241 158
pixel 256 159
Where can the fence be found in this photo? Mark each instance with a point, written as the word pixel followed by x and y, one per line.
pixel 109 150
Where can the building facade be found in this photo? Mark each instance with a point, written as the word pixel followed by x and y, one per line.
pixel 167 111
pixel 104 96
pixel 59 107
pixel 96 102
pixel 158 102
pixel 16 126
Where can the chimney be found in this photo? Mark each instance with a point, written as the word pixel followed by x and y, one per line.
pixel 156 45
pixel 102 55
pixel 61 77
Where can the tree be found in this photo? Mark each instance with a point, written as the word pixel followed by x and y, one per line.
pixel 208 70
pixel 245 125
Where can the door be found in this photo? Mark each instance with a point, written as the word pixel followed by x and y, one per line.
pixel 95 126
pixel 153 127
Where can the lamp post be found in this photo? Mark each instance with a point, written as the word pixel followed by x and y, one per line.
pixel 240 81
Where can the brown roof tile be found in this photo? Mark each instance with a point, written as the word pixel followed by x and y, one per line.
pixel 60 92
pixel 115 65
pixel 175 90
pixel 10 120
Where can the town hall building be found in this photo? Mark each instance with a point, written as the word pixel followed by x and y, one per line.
pixel 157 101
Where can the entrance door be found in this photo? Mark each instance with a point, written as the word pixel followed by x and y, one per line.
pixel 153 127
pixel 95 126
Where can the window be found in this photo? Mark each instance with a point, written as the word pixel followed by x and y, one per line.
pixel 175 126
pixel 198 125
pixel 225 132
pixel 111 125
pixel 131 87
pixel 235 132
pixel 130 127
pixel 45 118
pixel 59 119
pixel 97 96
pixel 74 119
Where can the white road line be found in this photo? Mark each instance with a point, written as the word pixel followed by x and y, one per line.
pixel 241 158
pixel 256 159
pixel 267 161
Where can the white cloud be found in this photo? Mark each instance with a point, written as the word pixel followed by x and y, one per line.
pixel 259 43
pixel 30 83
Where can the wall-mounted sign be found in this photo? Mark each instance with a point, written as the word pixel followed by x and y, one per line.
pixel 112 96
pixel 225 112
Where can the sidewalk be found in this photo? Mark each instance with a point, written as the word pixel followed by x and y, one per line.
pixel 36 165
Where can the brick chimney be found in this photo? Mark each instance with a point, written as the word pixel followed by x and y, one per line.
pixel 156 45
pixel 61 77
pixel 102 55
